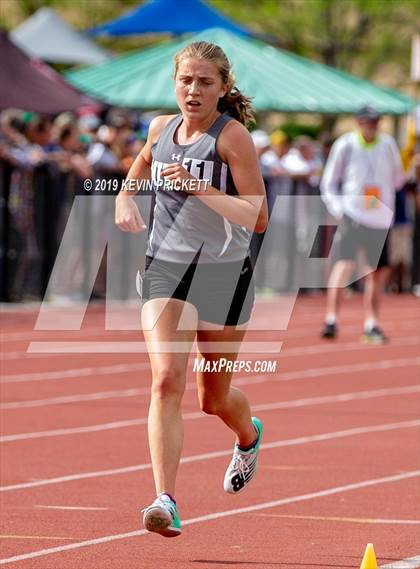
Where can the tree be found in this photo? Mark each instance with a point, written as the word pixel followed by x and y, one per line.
pixel 370 38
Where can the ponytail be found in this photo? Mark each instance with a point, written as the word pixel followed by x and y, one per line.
pixel 237 105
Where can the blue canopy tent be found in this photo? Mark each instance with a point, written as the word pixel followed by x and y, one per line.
pixel 168 16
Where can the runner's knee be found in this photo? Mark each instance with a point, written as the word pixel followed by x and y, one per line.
pixel 168 384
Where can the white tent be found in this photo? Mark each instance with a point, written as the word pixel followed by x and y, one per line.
pixel 45 35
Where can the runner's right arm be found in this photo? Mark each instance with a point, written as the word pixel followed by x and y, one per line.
pixel 127 214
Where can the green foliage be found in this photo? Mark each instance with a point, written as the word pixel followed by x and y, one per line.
pixel 293 130
pixel 370 38
pixel 367 37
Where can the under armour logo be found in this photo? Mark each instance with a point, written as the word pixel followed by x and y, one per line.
pixel 176 157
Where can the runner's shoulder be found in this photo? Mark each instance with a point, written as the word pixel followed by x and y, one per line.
pixel 157 125
pixel 233 129
pixel 233 139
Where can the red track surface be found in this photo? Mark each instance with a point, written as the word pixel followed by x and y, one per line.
pixel 300 512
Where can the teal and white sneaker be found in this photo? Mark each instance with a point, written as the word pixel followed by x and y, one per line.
pixel 243 465
pixel 162 517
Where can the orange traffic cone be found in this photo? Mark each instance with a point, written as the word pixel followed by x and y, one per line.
pixel 369 558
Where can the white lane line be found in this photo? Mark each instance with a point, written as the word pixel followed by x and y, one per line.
pixel 73 430
pixel 44 537
pixel 295 333
pixel 136 347
pixel 100 395
pixel 133 392
pixel 409 563
pixel 217 454
pixel 405 323
pixel 127 368
pixel 322 399
pixel 288 376
pixel 88 508
pixel 368 366
pixel 219 515
pixel 293 403
pixel 79 398
pixel 28 335
pixel 75 346
pixel 379 521
pixel 332 347
pixel 76 372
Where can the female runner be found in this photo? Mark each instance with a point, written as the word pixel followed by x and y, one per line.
pixel 198 277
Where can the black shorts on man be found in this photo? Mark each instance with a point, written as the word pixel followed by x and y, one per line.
pixel 355 237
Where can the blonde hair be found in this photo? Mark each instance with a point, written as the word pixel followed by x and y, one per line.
pixel 234 102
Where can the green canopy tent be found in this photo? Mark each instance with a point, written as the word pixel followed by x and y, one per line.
pixel 276 79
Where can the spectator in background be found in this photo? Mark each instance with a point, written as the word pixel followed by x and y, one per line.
pixel 101 155
pixel 17 148
pixel 126 147
pixel 272 165
pixel 107 166
pixel 415 182
pixel 262 144
pixel 11 128
pixel 298 160
pixel 400 238
pixel 272 158
pixel 74 159
pixel 280 186
pixel 88 125
pixel 304 168
pixel 410 155
pixel 326 231
pixel 43 164
pixel 326 140
pixel 368 168
pixel 312 163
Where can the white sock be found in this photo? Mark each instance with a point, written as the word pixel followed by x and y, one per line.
pixel 330 318
pixel 369 324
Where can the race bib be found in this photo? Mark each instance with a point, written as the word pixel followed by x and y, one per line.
pixel 372 195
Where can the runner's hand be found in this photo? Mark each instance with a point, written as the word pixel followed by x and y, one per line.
pixel 127 215
pixel 177 172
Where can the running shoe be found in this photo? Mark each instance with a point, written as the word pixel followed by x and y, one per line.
pixel 374 336
pixel 243 465
pixel 329 331
pixel 162 517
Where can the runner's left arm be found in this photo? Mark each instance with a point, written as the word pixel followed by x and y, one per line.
pixel 249 208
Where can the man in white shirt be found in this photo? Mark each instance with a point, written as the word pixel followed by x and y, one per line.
pixel 359 182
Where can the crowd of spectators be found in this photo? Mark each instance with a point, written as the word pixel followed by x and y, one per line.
pixel 44 162
pixel 43 165
pixel 294 168
pixel 83 146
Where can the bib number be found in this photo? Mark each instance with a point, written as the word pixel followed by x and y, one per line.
pixel 372 195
